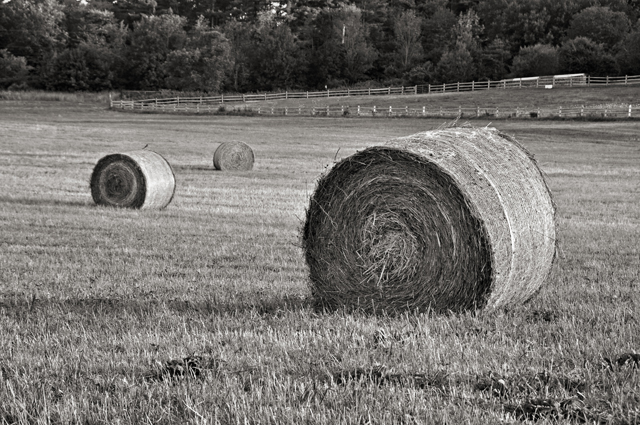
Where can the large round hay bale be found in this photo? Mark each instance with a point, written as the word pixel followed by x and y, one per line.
pixel 139 179
pixel 445 220
pixel 236 156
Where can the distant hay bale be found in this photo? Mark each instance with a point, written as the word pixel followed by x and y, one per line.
pixel 235 156
pixel 445 220
pixel 139 179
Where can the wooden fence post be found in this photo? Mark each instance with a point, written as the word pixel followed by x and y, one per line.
pixel 221 98
pixel 415 89
pixel 424 111
pixel 458 86
pixel 286 94
pixel 473 86
pixel 429 88
pixel 307 95
pixel 389 90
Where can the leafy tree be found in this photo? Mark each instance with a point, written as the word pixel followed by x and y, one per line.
pixel 323 55
pixel 601 25
pixel 274 55
pixel 438 33
pixel 584 55
pixel 147 49
pixel 540 59
pixel 86 67
pixel 359 54
pixel 238 35
pixel 130 11
pixel 628 56
pixel 456 65
pixel 14 70
pixel 32 29
pixel 94 47
pixel 493 60
pixel 201 64
pixel 407 31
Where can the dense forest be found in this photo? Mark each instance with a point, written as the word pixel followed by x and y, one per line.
pixel 260 45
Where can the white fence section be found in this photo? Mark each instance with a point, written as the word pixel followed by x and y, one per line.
pixel 225 103
pixel 584 111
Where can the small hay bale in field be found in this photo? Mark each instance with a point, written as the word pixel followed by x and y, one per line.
pixel 139 179
pixel 445 220
pixel 236 156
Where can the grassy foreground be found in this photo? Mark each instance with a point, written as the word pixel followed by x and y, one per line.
pixel 95 303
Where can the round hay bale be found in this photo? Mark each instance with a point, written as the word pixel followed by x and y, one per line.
pixel 445 220
pixel 236 156
pixel 139 179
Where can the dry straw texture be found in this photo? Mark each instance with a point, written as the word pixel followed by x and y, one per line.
pixel 233 156
pixel 445 220
pixel 139 179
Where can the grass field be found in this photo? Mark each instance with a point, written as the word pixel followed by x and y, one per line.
pixel 96 302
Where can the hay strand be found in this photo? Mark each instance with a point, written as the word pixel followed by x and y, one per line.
pixel 236 156
pixel 447 220
pixel 138 179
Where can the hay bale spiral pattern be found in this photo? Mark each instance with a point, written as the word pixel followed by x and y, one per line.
pixel 446 220
pixel 139 179
pixel 236 156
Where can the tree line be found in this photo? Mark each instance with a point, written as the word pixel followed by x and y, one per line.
pixel 261 45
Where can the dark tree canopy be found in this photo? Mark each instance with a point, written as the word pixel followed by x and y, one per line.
pixel 256 45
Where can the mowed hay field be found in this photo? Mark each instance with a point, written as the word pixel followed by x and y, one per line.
pixel 98 306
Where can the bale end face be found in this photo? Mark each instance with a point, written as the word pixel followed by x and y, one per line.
pixel 428 223
pixel 233 156
pixel 138 179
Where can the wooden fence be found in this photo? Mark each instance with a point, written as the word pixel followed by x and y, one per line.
pixel 592 111
pixel 212 103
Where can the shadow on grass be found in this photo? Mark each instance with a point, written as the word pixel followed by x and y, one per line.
pixel 21 307
pixel 44 202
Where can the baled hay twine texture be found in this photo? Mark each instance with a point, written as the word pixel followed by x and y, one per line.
pixel 236 156
pixel 446 220
pixel 138 179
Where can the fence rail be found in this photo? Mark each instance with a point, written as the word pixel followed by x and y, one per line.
pixel 598 111
pixel 208 103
